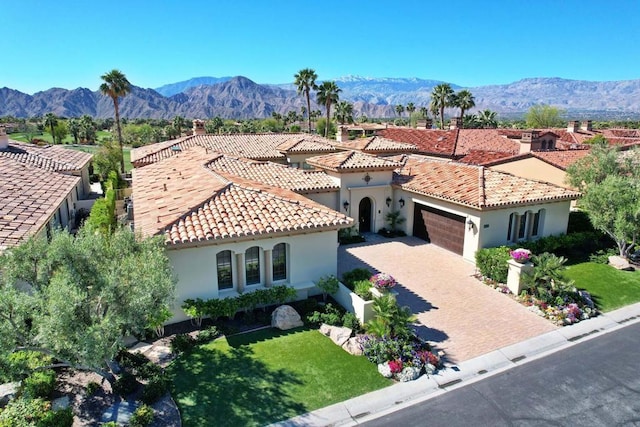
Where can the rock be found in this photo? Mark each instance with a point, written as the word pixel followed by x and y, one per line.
pixel 409 373
pixel 384 370
pixel 619 263
pixel 285 317
pixel 7 392
pixel 60 403
pixel 352 346
pixel 340 335
pixel 325 329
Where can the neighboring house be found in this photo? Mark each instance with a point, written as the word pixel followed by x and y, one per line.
pixel 227 233
pixel 39 188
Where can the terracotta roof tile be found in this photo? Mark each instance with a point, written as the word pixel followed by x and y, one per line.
pixel 561 158
pixel 352 161
pixel 377 144
pixel 274 174
pixel 474 186
pixel 486 140
pixel 49 157
pixel 185 201
pixel 306 144
pixel 252 146
pixel 480 157
pixel 428 141
pixel 29 196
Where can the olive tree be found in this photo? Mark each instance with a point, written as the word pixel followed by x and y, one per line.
pixel 76 298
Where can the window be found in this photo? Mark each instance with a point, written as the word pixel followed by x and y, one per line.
pixel 279 255
pixel 522 226
pixel 543 145
pixel 536 228
pixel 512 220
pixel 225 273
pixel 252 265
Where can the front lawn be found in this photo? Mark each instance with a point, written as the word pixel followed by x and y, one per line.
pixel 610 288
pixel 266 376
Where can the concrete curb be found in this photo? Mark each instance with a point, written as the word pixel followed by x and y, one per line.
pixel 401 395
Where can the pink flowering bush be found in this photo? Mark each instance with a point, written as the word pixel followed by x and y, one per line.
pixel 383 281
pixel 395 366
pixel 520 255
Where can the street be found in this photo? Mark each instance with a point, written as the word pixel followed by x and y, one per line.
pixel 594 383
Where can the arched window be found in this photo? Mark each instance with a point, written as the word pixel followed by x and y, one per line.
pixel 252 265
pixel 511 235
pixel 538 218
pixel 225 273
pixel 543 145
pixel 279 256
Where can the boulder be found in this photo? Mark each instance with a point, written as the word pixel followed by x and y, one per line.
pixel 60 403
pixel 619 263
pixel 352 346
pixel 285 317
pixel 340 335
pixel 7 392
pixel 325 329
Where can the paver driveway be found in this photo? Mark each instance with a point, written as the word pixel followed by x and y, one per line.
pixel 462 316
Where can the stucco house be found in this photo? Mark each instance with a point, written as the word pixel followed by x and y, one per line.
pixel 40 188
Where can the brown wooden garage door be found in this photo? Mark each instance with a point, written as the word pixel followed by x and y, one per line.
pixel 441 228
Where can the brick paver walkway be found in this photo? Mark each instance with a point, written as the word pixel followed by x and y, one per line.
pixel 462 316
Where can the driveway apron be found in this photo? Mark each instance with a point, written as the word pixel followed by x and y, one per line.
pixel 456 312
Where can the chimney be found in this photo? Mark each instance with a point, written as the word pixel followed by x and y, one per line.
pixel 455 123
pixel 528 137
pixel 343 134
pixel 572 126
pixel 586 125
pixel 4 139
pixel 421 124
pixel 198 127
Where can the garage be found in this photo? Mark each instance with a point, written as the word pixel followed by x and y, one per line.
pixel 441 228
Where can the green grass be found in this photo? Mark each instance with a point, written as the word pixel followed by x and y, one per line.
pixel 266 376
pixel 609 287
pixel 18 136
pixel 94 148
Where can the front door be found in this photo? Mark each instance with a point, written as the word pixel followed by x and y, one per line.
pixel 364 215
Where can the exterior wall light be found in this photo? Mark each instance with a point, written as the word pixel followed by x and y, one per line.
pixel 388 201
pixel 401 201
pixel 346 205
pixel 470 224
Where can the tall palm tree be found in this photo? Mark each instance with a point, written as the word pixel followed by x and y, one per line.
pixel 441 97
pixel 487 119
pixel 51 121
pixel 410 109
pixel 399 110
pixel 306 82
pixel 465 101
pixel 425 112
pixel 344 112
pixel 178 123
pixel 74 129
pixel 327 95
pixel 116 86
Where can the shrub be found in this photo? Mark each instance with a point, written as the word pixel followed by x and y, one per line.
pixel 208 334
pixel 59 418
pixel 155 389
pixel 579 222
pixel 131 361
pixel 142 417
pixel 92 388
pixel 349 320
pixel 305 307
pixel 125 385
pixel 330 315
pixel 111 424
pixel 356 275
pixel 23 412
pixel 602 256
pixel 363 289
pixel 182 343
pixel 39 384
pixel 391 320
pixel 328 284
pixel 492 263
pixel 18 365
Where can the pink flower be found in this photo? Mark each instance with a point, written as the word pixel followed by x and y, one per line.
pixel 383 281
pixel 395 366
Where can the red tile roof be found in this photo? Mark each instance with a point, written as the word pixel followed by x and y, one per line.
pixel 428 141
pixel 352 161
pixel 486 140
pixel 561 158
pixel 29 196
pixel 479 157
pixel 54 158
pixel 185 201
pixel 475 186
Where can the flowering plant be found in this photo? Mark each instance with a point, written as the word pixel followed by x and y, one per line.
pixel 383 281
pixel 520 255
pixel 395 366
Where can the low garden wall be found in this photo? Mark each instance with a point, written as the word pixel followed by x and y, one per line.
pixel 353 303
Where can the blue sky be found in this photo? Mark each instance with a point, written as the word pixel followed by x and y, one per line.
pixel 70 44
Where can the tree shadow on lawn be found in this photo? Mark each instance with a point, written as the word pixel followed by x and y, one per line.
pixel 214 387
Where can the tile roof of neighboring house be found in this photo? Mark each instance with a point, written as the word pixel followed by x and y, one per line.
pixel 480 157
pixel 428 141
pixel 253 146
pixel 277 175
pixel 352 161
pixel 304 144
pixel 486 140
pixel 29 196
pixel 377 144
pixel 49 157
pixel 185 201
pixel 475 186
pixel 561 158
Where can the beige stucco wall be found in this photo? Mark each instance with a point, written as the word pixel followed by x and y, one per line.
pixel 309 256
pixel 534 168
pixel 328 199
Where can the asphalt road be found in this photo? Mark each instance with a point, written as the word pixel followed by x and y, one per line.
pixel 594 383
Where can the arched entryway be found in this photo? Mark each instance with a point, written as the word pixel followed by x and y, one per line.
pixel 364 215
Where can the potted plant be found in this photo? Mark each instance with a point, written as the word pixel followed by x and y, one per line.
pixel 520 255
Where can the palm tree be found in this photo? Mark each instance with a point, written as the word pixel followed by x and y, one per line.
pixel 115 86
pixel 487 119
pixel 399 110
pixel 74 129
pixel 465 101
pixel 51 121
pixel 425 112
pixel 344 112
pixel 327 95
pixel 441 97
pixel 178 122
pixel 306 82
pixel 410 109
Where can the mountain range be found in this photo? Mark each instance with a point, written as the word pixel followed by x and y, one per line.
pixel 238 98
